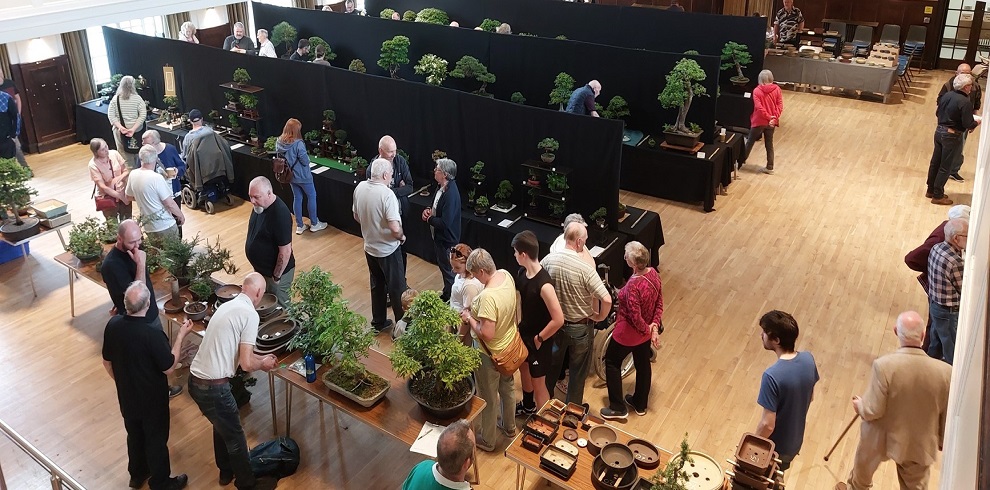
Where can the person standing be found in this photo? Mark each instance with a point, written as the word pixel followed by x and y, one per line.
pixel 291 144
pixel 582 100
pixel 238 42
pixel 127 113
pixel 168 157
pixel 768 105
pixel 137 357
pixel 955 117
pixel 268 245
pixel 444 217
pixel 455 455
pixel 401 181
pixel 540 319
pixel 161 215
pixel 321 52
pixel 466 287
pixel 10 126
pixel 976 98
pixel 376 209
pixel 788 24
pixel 7 85
pixel 787 387
pixel 578 286
pixel 637 328
pixel 265 46
pixel 187 33
pixel 945 274
pixel 903 411
pixel 302 50
pixel 109 170
pixel 229 344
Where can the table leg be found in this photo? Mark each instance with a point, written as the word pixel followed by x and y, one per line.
pixel 72 295
pixel 24 253
pixel 474 462
pixel 520 476
pixel 271 397
pixel 288 408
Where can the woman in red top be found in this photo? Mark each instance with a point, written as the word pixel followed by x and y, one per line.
pixel 636 328
pixel 768 104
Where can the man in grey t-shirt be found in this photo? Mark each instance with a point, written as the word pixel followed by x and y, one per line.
pixel 377 210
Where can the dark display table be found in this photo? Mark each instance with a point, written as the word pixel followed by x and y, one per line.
pixel 92 122
pixel 733 109
pixel 675 175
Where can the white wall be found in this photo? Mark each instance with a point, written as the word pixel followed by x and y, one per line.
pixel 37 49
pixel 211 17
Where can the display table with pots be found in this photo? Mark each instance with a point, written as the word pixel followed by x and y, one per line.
pixel 849 76
pixel 159 279
pixel 23 244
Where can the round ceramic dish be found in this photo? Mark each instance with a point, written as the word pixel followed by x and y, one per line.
pixel 228 292
pixel 600 436
pixel 267 305
pixel 646 454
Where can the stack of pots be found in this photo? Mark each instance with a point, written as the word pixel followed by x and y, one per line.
pixel 756 466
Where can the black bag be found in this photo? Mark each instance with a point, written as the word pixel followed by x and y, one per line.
pixel 132 144
pixel 276 458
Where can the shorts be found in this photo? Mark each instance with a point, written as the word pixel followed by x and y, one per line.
pixel 539 360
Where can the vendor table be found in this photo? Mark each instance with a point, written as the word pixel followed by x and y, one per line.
pixel 674 175
pixel 850 76
pixel 159 279
pixel 44 230
pixel 92 122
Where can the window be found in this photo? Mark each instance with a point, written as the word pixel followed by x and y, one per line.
pixel 280 3
pixel 99 61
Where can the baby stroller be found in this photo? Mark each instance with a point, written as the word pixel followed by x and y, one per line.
pixel 209 172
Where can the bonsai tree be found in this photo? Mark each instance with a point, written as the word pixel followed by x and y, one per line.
pixel 548 145
pixel 438 154
pixel 557 182
pixel 533 192
pixel 201 289
pixel 489 25
pixel 556 208
pixel 504 194
pixel 563 85
pixel 316 40
pixel 682 87
pixel 395 52
pixel 235 125
pixel 253 135
pixel 561 37
pixel 232 101
pixel 599 214
pixel 358 66
pixel 617 108
pixel 171 102
pixel 386 14
pixel 241 76
pixel 518 98
pixel 434 67
pixel 360 165
pixel 215 117
pixel 329 115
pixel 249 101
pixel 313 136
pixel 481 205
pixel 214 259
pixel 340 136
pixel 470 67
pixel 477 171
pixel 433 16
pixel 409 16
pixel 14 191
pixel 270 144
pixel 85 239
pixel 175 256
pixel 735 55
pixel 673 476
pixel 284 33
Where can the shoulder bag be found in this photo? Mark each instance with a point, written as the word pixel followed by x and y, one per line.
pixel 508 361
pixel 104 203
pixel 132 143
pixel 281 168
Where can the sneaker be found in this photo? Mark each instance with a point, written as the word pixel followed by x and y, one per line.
pixel 322 225
pixel 523 410
pixel 768 171
pixel 484 445
pixel 178 482
pixel 384 327
pixel 956 177
pixel 225 478
pixel 507 433
pixel 300 229
pixel 944 200
pixel 173 391
pixel 640 412
pixel 609 414
pixel 562 385
pixel 138 482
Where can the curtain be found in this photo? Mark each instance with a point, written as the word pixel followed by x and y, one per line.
pixel 304 4
pixel 77 48
pixel 237 12
pixel 173 22
pixel 764 7
pixel 5 63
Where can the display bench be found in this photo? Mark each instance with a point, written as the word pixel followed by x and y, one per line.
pixel 674 175
pixel 23 245
pixel 849 76
pixel 88 270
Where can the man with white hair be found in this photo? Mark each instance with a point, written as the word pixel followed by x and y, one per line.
pixel 945 274
pixel 955 117
pixel 265 47
pixel 903 411
pixel 238 42
pixel 976 97
pixel 161 215
pixel 376 209
pixel 583 99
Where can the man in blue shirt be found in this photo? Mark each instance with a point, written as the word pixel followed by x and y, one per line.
pixel 787 387
pixel 583 99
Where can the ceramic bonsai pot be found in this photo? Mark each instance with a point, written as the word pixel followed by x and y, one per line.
pixel 688 140
pixel 438 412
pixel 12 232
pixel 195 311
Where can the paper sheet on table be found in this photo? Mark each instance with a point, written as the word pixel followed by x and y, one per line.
pixel 596 251
pixel 426 441
pixel 506 223
pixel 320 170
pixel 237 146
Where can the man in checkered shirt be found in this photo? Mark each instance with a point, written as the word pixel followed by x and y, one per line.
pixel 945 274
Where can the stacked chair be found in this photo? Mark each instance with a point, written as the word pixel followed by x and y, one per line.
pixel 862 40
pixel 914 44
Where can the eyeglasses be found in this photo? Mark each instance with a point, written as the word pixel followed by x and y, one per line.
pixel 456 253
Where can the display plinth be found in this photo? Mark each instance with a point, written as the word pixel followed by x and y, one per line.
pixel 692 150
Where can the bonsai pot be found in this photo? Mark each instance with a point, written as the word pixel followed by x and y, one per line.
pixel 685 140
pixel 195 311
pixel 533 182
pixel 13 232
pixel 602 225
pixel 480 210
pixel 366 401
pixel 548 157
pixel 739 81
pixel 600 436
pixel 614 468
pixel 441 413
pixel 361 173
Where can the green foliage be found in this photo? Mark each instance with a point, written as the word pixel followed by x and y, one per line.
pixel 561 37
pixel 249 101
pixel 517 97
pixel 526 34
pixel 241 76
pixel 214 259
pixel 171 101
pixel 234 122
pixel 556 208
pixel 201 288
pixel 694 127
pixel 693 52
pixel 284 33
pixel 340 135
pixel 437 154
pixel 253 133
pixel 312 135
pixel 176 254
pixel 434 67
pixel 563 85
pixel 270 143
pixel 557 182
pixel 230 96
pixel 548 145
pixel 359 162
pixel 329 115
pixel 682 86
pixel 477 171
pixel 598 214
pixel 482 202
pixel 386 14
pixel 358 66
pixel 14 191
pixel 470 67
pixel 108 89
pixel 395 52
pixel 735 55
pixel 316 40
pixel 489 25
pixel 504 192
pixel 617 108
pixel 429 346
pixel 433 16
pixel 108 232
pixel 673 476
pixel 84 238
pixel 409 16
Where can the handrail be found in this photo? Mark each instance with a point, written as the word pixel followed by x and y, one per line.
pixel 58 477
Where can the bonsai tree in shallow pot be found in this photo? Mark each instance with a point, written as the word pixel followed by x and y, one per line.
pixel 503 195
pixel 735 55
pixel 241 77
pixel 434 67
pixel 682 87
pixel 599 218
pixel 548 145
pixel 15 194
pixel 357 65
pixel 85 239
pixel 563 85
pixel 481 206
pixel 250 104
pixel 517 97
pixel 432 15
pixel 360 166
pixel 395 53
pixel 470 67
pixel 617 108
pixel 557 182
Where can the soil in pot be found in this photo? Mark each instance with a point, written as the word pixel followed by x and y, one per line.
pixel 365 389
pixel 433 396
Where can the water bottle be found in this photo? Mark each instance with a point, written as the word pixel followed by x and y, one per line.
pixel 310 368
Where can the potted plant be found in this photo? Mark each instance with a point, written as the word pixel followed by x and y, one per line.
pixel 313 138
pixel 336 336
pixel 622 210
pixel 599 218
pixel 503 194
pixel 548 145
pixel 534 178
pixel 108 89
pixel 489 25
pixel 386 14
pixel 470 195
pixel 533 192
pixel 215 117
pixel 201 290
pixel 556 209
pixel 409 16
pixel 477 172
pixel 85 239
pixel 108 232
pixel 517 97
pixel 340 137
pixel 241 77
pixel 557 182
pixel 434 67
pixel 563 85
pixel 470 67
pixel 329 117
pixel 735 55
pixel 438 154
pixel 617 108
pixel 682 87
pixel 360 166
pixel 232 102
pixel 15 194
pixel 175 256
pixel 673 476
pixel 432 15
pixel 284 33
pixel 270 144
pixel 481 206
pixel 250 104
pixel 438 365
pixel 395 53
pixel 235 125
pixel 358 66
pixel 253 136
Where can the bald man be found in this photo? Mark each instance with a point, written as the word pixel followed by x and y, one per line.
pixel 903 411
pixel 402 182
pixel 126 263
pixel 976 98
pixel 583 99
pixel 229 344
pixel 269 239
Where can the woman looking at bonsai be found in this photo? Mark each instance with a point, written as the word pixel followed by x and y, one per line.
pixel 168 157
pixel 465 288
pixel 541 317
pixel 127 113
pixel 291 145
pixel 492 319
pixel 768 104
pixel 108 170
pixel 445 219
pixel 637 327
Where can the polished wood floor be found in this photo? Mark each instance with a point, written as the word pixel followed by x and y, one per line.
pixel 823 239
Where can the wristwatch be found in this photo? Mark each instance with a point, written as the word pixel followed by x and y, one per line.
pixel 538 337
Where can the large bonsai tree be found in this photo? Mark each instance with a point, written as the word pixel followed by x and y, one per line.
pixel 470 67
pixel 14 191
pixel 617 108
pixel 563 85
pixel 682 86
pixel 735 55
pixel 433 16
pixel 284 33
pixel 434 67
pixel 316 40
pixel 395 52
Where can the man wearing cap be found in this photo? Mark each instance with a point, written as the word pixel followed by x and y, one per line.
pixel 198 131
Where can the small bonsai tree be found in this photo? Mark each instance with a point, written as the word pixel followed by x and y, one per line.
pixel 432 15
pixel 214 259
pixel 359 163
pixel 434 67
pixel 599 214
pixel 556 208
pixel 358 66
pixel 504 193
pixel 284 33
pixel 409 16
pixel 735 55
pixel 253 134
pixel 617 108
pixel 241 76
pixel 270 144
pixel 395 53
pixel 249 101
pixel 489 25
pixel 386 14
pixel 340 136
pixel 171 101
pixel 437 154
pixel 234 123
pixel 175 255
pixel 329 115
pixel 548 145
pixel 312 135
pixel 557 182
pixel 84 238
pixel 470 67
pixel 316 41
pixel 563 85
pixel 482 203
pixel 673 476
pixel 682 87
pixel 14 191
pixel 518 98
pixel 477 171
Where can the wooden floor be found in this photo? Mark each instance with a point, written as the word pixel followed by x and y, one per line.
pixel 823 239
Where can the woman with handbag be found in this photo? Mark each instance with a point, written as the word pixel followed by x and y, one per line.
pixel 492 319
pixel 108 170
pixel 127 113
pixel 291 145
pixel 637 327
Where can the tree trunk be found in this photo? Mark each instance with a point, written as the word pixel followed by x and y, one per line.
pixel 739 69
pixel 685 107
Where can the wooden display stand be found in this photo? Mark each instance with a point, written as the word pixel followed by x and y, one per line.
pixel 881 58
pixel 693 150
pixel 254 117
pixel 544 198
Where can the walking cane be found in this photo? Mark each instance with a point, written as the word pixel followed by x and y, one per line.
pixel 841 436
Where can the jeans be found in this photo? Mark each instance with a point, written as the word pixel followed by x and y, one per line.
pixel 443 262
pixel 943 332
pixel 615 353
pixel 281 288
pixel 147 448
pixel 388 276
pixel 497 392
pixel 957 165
pixel 948 147
pixel 229 444
pixel 297 202
pixel 576 341
pixel 754 135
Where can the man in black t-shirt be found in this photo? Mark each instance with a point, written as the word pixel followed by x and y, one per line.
pixel 269 239
pixel 138 359
pixel 126 263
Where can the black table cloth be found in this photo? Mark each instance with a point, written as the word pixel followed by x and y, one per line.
pixel 92 122
pixel 674 175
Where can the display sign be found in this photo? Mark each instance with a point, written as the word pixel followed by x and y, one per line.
pixel 929 9
pixel 169 74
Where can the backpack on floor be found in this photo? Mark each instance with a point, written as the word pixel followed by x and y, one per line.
pixel 277 458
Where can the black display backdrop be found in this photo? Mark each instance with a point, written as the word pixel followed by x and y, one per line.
pixel 520 63
pixel 422 118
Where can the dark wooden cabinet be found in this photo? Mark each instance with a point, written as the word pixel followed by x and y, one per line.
pixel 47 103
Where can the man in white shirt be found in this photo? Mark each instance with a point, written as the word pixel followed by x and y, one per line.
pixel 265 47
pixel 161 215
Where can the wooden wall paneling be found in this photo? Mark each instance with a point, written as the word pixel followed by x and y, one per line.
pixel 215 36
pixel 47 102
